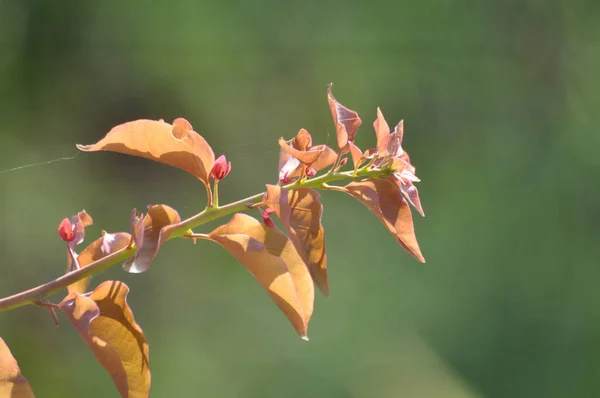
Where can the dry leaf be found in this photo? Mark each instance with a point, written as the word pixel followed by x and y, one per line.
pixel 300 212
pixel 271 258
pixel 12 382
pixel 346 121
pixel 383 197
pixel 176 145
pixel 106 324
pixel 157 226
pixel 101 247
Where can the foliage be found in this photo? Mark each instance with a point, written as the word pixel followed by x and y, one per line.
pixel 287 264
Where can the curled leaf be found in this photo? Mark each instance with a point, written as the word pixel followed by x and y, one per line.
pixel 101 247
pixel 157 226
pixel 346 121
pixel 176 145
pixel 105 322
pixel 12 382
pixel 383 197
pixel 300 213
pixel 299 152
pixel 271 258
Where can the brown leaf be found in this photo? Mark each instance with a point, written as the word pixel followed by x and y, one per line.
pixel 101 247
pixel 12 382
pixel 300 212
pixel 298 152
pixel 79 222
pixel 158 225
pixel 346 120
pixel 176 145
pixel 271 258
pixel 382 131
pixel 305 154
pixel 383 197
pixel 106 324
pixel 357 156
pixel 136 227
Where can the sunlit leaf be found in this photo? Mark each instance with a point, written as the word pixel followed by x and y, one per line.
pixel 270 256
pixel 173 144
pixel 300 150
pixel 106 324
pixel 300 212
pixel 357 155
pixel 101 247
pixel 12 382
pixel 382 131
pixel 157 226
pixel 383 197
pixel 346 120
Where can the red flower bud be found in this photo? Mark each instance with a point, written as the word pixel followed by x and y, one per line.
pixel 343 162
pixel 285 178
pixel 221 168
pixel 266 216
pixel 310 172
pixel 65 230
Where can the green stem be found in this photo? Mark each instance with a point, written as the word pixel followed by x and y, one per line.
pixel 215 202
pixel 211 213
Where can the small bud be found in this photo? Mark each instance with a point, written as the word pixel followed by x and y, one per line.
pixel 266 216
pixel 284 178
pixel 65 230
pixel 221 168
pixel 343 162
pixel 310 172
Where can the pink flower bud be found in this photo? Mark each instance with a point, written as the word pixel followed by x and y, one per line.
pixel 343 162
pixel 310 172
pixel 65 230
pixel 266 216
pixel 221 168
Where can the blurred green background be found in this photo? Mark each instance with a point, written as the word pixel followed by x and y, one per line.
pixel 500 102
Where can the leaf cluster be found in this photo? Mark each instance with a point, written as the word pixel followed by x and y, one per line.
pixel 287 263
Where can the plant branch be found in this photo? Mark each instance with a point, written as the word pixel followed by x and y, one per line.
pixel 37 294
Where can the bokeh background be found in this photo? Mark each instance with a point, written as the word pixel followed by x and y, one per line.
pixel 500 102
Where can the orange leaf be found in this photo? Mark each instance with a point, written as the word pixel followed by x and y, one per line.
pixel 176 145
pixel 300 212
pixel 101 247
pixel 346 120
pixel 12 382
pixel 106 324
pixel 157 226
pixel 383 197
pixel 271 258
